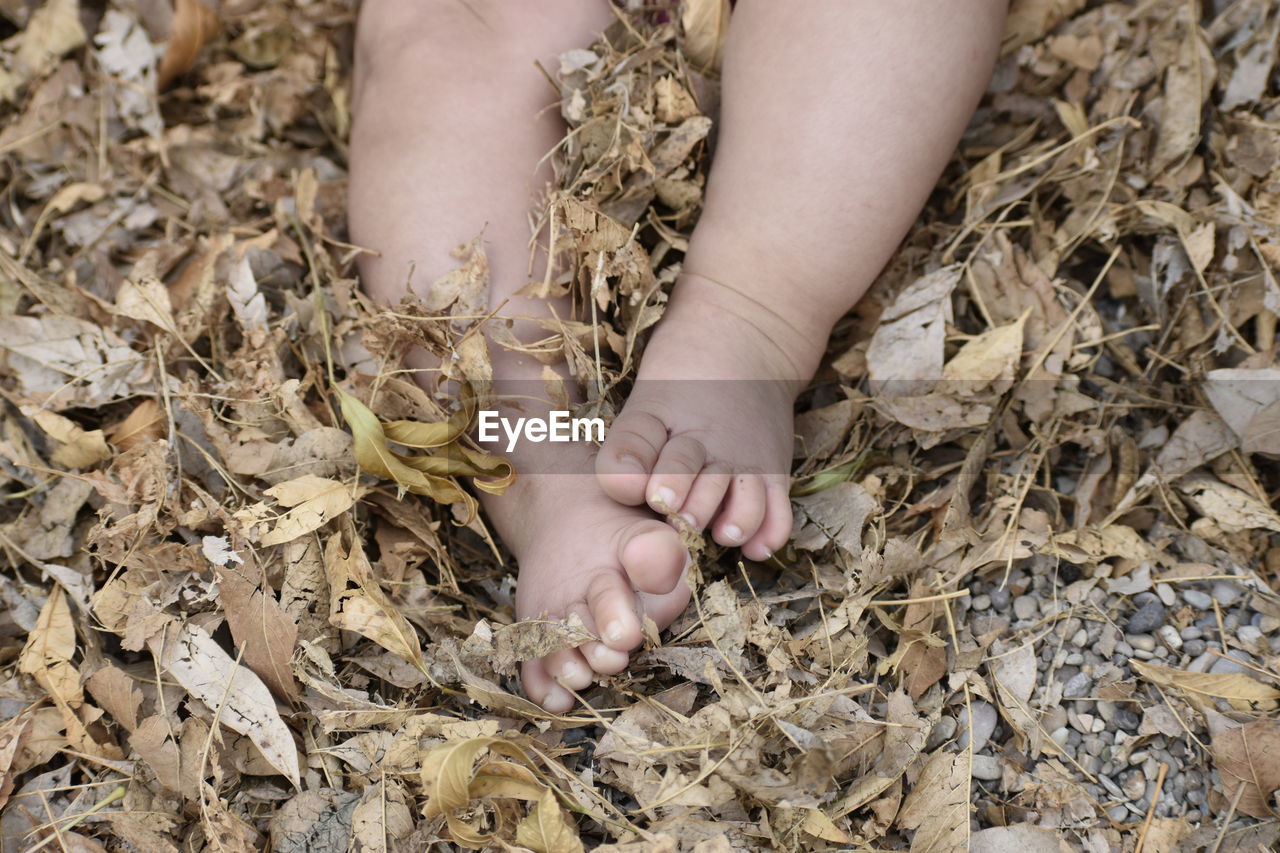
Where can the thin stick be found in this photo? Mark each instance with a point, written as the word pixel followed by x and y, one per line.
pixel 1151 810
pixel 942 596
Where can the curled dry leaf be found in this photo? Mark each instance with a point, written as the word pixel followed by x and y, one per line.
pixel 1249 756
pixel 452 781
pixel 425 474
pixel 193 24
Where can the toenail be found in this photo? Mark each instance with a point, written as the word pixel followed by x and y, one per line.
pixel 693 522
pixel 733 533
pixel 613 631
pixel 664 497
pixel 570 670
pixel 632 461
pixel 557 697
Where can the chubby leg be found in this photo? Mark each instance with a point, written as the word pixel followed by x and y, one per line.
pixel 837 119
pixel 451 120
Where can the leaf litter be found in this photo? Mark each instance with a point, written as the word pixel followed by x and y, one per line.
pixel 249 598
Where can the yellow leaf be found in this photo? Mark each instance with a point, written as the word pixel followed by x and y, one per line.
pixel 450 781
pixel 426 475
pixel 545 830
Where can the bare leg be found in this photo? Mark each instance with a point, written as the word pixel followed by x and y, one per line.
pixel 837 120
pixel 451 120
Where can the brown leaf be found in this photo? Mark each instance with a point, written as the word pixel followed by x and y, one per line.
pixel 145 423
pixel 937 807
pixel 1249 756
pixel 258 625
pixel 193 25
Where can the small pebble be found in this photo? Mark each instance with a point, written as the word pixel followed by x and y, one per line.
pixel 1127 720
pixel 1136 758
pixel 1146 618
pixel 1198 600
pixel 1195 796
pixel 1054 718
pixel 1167 596
pixel 1226 594
pixel 1191 632
pixel 1093 745
pixel 1248 635
pixel 1079 638
pixel 1194 648
pixel 1078 686
pixel 1142 654
pixel 980 602
pixel 984 723
pixel 1202 662
pixel 1118 814
pixel 1134 785
pixel 1124 650
pixel 986 768
pixel 1142 642
pixel 1025 607
pixel 1000 598
pixel 1233 662
pixel 1082 723
pixel 942 732
pixel 1074 659
pixel 1170 636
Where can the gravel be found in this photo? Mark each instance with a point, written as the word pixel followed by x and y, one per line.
pixel 1146 618
pixel 1198 600
pixel 1078 686
pixel 1025 607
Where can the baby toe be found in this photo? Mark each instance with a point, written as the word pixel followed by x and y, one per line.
pixel 605 660
pixel 570 669
pixel 628 455
pixel 653 557
pixel 540 688
pixel 705 496
pixel 612 602
pixel 743 511
pixel 775 530
pixel 674 473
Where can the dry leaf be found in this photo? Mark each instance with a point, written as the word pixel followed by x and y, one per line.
pixel 315 501
pixel 547 829
pixel 193 25
pixel 1249 756
pixel 357 603
pixel 936 808
pixel 243 703
pixel 1236 687
pixel 706 28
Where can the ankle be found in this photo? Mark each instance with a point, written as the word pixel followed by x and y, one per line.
pixel 791 341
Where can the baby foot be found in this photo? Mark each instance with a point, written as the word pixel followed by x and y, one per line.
pixel 579 552
pixel 707 430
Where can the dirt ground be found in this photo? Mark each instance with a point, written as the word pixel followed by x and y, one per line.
pixel 1031 601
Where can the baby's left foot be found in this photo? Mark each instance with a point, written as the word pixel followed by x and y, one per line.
pixel 707 430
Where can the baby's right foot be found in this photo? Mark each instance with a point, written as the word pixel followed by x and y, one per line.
pixel 579 551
